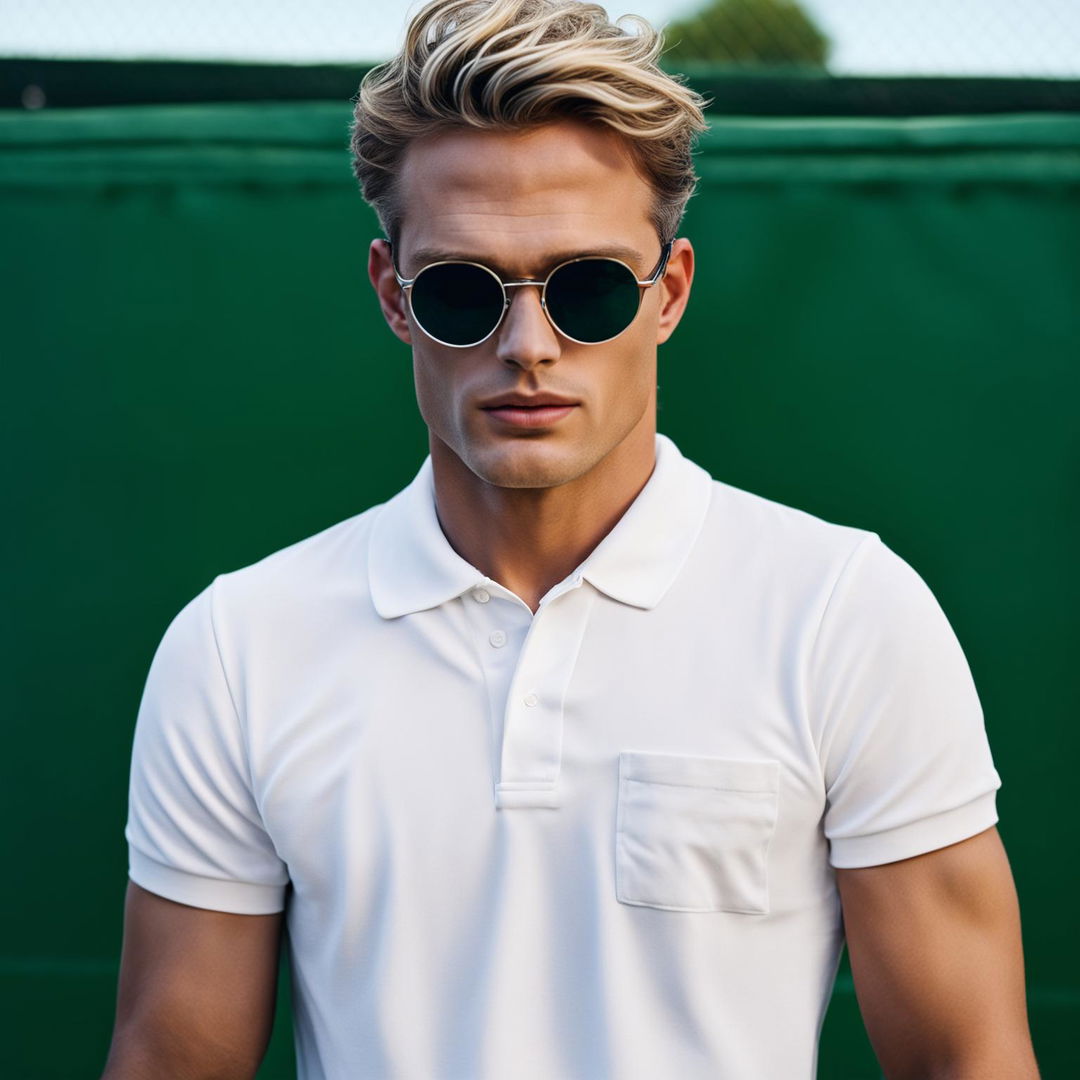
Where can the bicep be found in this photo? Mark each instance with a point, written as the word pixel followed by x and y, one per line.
pixel 197 988
pixel 937 961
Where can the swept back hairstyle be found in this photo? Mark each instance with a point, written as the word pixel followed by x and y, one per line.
pixel 515 64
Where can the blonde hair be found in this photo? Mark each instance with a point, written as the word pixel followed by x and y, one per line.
pixel 512 64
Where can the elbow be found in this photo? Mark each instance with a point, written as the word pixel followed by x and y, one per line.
pixel 142 1055
pixel 1014 1064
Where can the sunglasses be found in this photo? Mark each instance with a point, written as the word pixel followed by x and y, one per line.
pixel 589 300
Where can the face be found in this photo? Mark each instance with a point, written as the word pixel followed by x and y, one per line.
pixel 520 203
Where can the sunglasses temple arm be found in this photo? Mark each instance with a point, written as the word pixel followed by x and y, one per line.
pixel 658 273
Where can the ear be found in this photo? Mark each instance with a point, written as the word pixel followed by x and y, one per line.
pixel 391 295
pixel 674 288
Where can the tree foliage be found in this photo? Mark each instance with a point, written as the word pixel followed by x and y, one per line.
pixel 771 32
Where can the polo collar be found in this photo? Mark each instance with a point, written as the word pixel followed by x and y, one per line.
pixel 412 567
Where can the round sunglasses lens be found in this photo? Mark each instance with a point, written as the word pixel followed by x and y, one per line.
pixel 456 303
pixel 593 299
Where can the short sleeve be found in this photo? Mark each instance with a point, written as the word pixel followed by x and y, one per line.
pixel 194 830
pixel 906 760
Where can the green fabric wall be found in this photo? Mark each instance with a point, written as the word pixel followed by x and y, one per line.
pixel 885 332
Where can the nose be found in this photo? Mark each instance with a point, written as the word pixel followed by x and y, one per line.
pixel 526 338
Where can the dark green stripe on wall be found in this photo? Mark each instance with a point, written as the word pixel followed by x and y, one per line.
pixel 758 91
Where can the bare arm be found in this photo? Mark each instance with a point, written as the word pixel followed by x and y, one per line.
pixel 937 962
pixel 196 994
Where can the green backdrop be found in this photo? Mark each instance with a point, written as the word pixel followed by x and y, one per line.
pixel 885 332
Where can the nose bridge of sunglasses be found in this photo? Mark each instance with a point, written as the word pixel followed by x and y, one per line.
pixel 513 289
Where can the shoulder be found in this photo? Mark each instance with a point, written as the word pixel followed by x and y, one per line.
pixel 780 546
pixel 765 558
pixel 764 519
pixel 298 581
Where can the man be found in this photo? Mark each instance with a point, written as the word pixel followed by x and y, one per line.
pixel 568 761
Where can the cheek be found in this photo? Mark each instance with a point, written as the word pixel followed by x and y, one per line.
pixel 630 375
pixel 433 391
pixel 441 383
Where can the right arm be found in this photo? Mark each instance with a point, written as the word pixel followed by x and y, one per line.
pixel 196 993
pixel 205 904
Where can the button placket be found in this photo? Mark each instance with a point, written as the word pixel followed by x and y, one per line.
pixel 498 623
pixel 531 754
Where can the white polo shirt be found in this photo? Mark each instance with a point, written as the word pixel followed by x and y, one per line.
pixel 594 842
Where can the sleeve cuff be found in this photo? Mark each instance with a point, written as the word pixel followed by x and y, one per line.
pixel 237 897
pixel 916 838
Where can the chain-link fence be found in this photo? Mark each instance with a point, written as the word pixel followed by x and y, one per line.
pixel 1037 38
pixel 1022 38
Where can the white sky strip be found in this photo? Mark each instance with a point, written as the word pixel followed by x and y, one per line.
pixel 1039 38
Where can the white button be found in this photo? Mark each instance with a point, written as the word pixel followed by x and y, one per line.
pixel 531 699
pixel 481 596
pixel 497 638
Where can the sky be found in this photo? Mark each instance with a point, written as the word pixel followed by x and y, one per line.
pixel 955 37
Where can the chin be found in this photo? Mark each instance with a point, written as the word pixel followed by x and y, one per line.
pixel 527 463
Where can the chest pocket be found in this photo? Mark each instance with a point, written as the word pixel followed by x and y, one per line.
pixel 693 833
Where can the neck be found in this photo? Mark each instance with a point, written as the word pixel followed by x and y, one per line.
pixel 529 539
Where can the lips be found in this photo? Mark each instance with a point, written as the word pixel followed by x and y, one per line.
pixel 538 410
pixel 527 401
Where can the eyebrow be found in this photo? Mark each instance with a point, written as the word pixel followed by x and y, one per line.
pixel 425 256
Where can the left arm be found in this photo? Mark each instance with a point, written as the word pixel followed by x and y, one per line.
pixel 936 957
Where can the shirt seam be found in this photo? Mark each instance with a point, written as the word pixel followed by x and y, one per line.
pixel 948 811
pixel 702 787
pixel 241 727
pixel 493 723
pixel 817 731
pixel 226 882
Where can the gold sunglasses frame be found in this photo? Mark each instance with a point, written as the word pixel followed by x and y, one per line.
pixel 406 285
